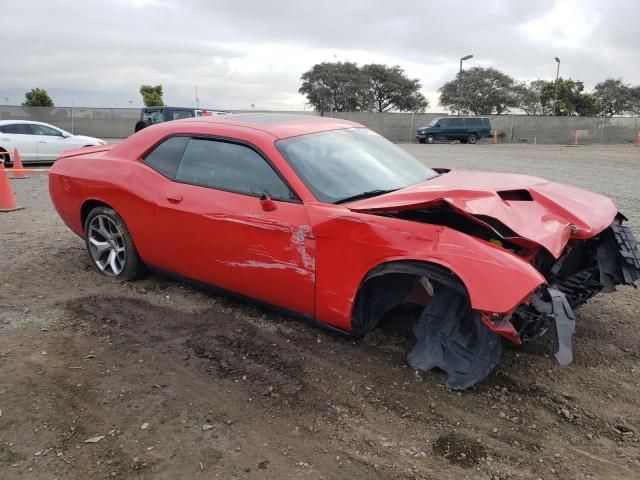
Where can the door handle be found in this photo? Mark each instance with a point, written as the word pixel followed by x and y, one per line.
pixel 5 139
pixel 41 141
pixel 174 197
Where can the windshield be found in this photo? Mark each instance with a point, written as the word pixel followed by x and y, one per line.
pixel 341 164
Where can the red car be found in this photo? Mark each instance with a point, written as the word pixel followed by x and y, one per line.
pixel 327 219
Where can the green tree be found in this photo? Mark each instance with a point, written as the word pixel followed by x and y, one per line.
pixel 151 95
pixel 481 91
pixel 614 97
pixel 37 97
pixel 634 104
pixel 529 98
pixel 334 86
pixel 388 88
pixel 572 100
pixel 587 105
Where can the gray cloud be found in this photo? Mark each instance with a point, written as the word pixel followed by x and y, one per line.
pixel 252 52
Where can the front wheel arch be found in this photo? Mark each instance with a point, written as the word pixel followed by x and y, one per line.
pixel 386 286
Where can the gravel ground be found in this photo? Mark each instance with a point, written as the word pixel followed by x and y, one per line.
pixel 155 379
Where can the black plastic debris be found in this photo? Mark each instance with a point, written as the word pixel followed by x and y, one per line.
pixel 618 257
pixel 451 336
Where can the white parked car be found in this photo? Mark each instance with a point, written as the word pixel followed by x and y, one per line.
pixel 39 142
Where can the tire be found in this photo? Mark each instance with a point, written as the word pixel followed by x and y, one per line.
pixel 430 139
pixel 421 140
pixel 140 125
pixel 110 246
pixel 5 158
pixel 472 139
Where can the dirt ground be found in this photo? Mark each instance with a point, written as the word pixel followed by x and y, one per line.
pixel 171 382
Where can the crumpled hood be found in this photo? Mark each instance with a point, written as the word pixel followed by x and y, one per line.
pixel 532 207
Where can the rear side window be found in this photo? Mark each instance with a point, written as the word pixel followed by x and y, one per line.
pixel 153 116
pixel 230 167
pixel 16 128
pixel 178 114
pixel 165 158
pixel 473 122
pixel 456 122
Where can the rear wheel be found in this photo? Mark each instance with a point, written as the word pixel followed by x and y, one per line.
pixel 472 139
pixel 110 245
pixel 140 125
pixel 430 139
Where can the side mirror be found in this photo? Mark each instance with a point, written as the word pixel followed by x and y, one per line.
pixel 267 204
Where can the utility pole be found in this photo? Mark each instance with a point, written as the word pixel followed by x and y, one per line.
pixel 466 57
pixel 555 95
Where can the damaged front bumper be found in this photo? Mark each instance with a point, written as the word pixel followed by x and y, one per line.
pixel 453 337
pixel 616 262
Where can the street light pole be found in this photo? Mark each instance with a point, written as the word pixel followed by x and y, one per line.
pixel 555 95
pixel 466 57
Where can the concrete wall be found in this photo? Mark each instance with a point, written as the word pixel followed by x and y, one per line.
pixel 95 122
pixel 398 127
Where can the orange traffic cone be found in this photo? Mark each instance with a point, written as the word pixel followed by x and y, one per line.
pixel 7 200
pixel 495 137
pixel 638 139
pixel 575 138
pixel 17 163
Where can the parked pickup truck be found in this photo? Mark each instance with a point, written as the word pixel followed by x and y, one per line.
pixel 153 115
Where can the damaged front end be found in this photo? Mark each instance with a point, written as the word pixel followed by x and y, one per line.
pixel 586 268
pixel 556 246
pixel 465 343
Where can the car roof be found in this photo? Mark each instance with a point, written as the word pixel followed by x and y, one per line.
pixel 7 122
pixel 456 116
pixel 279 125
pixel 157 107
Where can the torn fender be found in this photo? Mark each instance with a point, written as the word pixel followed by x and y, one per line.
pixel 349 245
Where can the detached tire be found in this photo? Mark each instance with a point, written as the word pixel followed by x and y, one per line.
pixel 110 246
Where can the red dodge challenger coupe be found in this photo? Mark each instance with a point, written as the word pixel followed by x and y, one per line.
pixel 326 219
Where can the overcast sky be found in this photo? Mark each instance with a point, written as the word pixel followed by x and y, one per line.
pixel 240 52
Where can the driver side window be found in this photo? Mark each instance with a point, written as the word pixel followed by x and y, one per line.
pixel 231 167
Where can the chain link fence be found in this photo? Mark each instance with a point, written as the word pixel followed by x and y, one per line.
pixel 398 127
pixel 95 122
pixel 401 127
